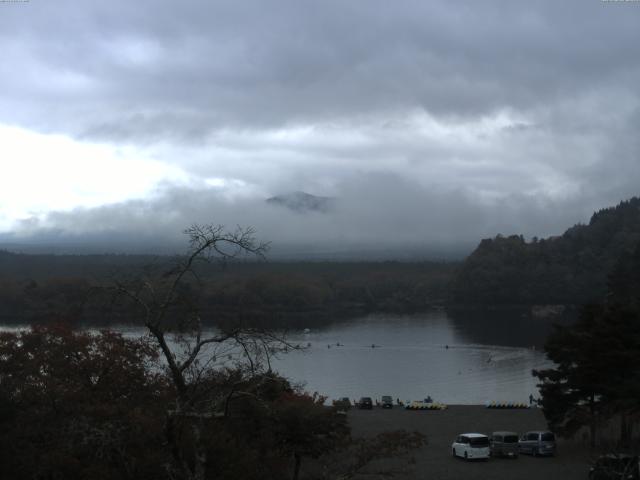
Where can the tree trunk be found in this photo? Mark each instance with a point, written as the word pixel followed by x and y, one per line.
pixel 197 469
pixel 592 434
pixel 170 432
pixel 625 430
pixel 296 467
pixel 200 452
pixel 592 425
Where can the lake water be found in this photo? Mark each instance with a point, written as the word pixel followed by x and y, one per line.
pixel 489 357
pixel 456 358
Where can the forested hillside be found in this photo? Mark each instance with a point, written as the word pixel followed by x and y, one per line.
pixel 569 269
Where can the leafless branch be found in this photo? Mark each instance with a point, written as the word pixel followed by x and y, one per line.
pixel 158 300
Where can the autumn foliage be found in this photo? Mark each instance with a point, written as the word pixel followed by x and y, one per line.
pixel 78 405
pixel 95 405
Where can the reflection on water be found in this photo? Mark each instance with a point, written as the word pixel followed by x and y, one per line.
pixel 507 327
pixel 410 357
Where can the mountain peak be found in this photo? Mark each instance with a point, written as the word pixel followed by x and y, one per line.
pixel 302 202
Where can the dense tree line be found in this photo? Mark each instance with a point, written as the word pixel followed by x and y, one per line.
pixel 597 372
pixel 274 294
pixel 568 269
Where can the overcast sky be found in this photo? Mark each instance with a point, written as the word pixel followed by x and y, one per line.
pixel 431 122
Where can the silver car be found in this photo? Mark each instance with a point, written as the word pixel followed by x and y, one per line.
pixel 538 442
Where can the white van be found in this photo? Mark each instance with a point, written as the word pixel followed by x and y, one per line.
pixel 471 446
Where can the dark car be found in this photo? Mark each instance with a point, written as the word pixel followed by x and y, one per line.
pixel 387 401
pixel 615 467
pixel 538 442
pixel 504 444
pixel 365 403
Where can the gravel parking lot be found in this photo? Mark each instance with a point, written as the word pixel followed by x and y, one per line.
pixel 434 461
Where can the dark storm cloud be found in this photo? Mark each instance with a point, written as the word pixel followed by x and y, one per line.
pixel 135 70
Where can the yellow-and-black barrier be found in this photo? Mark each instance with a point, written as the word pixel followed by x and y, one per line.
pixel 505 405
pixel 425 406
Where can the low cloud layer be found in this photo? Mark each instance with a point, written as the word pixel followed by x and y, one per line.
pixel 432 122
pixel 375 216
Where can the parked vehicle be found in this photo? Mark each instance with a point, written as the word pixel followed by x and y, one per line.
pixel 365 403
pixel 471 446
pixel 617 466
pixel 387 401
pixel 504 444
pixel 538 443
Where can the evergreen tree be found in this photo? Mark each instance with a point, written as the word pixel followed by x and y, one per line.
pixel 573 391
pixel 597 372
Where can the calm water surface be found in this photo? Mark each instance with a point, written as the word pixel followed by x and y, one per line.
pixel 411 360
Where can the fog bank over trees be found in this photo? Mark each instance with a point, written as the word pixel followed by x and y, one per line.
pixel 372 216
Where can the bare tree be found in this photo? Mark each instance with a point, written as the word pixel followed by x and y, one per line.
pixel 190 351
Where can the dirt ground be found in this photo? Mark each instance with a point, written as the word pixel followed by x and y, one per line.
pixel 434 460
